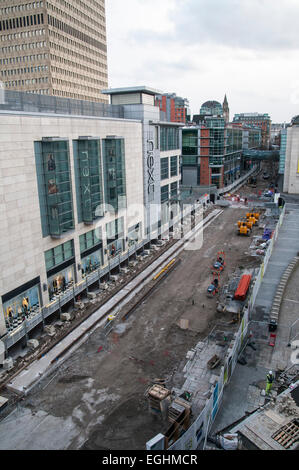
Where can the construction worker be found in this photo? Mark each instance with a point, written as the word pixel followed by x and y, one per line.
pixel 270 380
pixel 110 318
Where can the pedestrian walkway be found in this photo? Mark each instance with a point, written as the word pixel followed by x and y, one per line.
pixel 241 394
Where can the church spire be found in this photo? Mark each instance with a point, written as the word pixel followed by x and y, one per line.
pixel 225 109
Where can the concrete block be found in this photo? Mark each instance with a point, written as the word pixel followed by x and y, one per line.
pixel 79 305
pixel 8 363
pixel 65 316
pixel 32 344
pixel 91 295
pixel 50 330
pixel 190 354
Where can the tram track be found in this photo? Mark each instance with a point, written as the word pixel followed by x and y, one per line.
pixel 84 329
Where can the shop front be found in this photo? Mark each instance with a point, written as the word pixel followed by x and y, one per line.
pixel 115 237
pixel 60 281
pixel 134 235
pixel 91 262
pixel 21 303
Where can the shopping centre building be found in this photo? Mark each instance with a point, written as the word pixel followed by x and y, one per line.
pixel 79 191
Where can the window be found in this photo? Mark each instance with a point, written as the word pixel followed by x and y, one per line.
pixel 59 254
pixel 164 168
pixel 174 166
pixel 115 172
pixel 174 190
pixel 164 194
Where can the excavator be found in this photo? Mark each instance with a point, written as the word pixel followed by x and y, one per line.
pixel 253 215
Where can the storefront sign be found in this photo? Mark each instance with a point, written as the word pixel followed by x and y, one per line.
pixel 150 168
pixel 85 187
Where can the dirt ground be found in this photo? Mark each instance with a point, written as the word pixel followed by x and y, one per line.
pixel 102 386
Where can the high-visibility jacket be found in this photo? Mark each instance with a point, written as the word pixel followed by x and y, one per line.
pixel 270 378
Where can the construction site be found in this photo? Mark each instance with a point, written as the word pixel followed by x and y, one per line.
pixel 130 375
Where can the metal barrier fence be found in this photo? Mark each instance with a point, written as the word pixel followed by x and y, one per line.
pixel 36 103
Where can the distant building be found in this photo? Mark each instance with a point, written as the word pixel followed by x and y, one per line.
pixel 173 108
pixel 54 48
pixel 258 120
pixel 282 152
pixel 211 108
pixel 225 110
pixel 291 167
pixel 212 148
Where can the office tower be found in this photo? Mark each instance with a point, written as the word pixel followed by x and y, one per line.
pixel 54 47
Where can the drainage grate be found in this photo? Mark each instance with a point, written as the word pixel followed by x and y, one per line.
pixel 288 434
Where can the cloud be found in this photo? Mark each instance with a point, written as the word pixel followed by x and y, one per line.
pixel 202 49
pixel 248 24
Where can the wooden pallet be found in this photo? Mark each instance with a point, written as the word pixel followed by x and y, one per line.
pixel 288 434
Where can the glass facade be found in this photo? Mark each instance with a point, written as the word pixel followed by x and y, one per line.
pixel 60 268
pixel 55 189
pixel 164 193
pixel 164 168
pixel 115 237
pixel 174 166
pixel 87 154
pixel 282 154
pixel 115 172
pixel 134 234
pixel 59 254
pixel 20 306
pixel 169 138
pixel 174 190
pixel 190 142
pixel 91 250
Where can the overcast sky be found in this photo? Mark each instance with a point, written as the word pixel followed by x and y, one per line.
pixel 202 49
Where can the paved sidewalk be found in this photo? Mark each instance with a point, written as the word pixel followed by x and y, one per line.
pixel 242 394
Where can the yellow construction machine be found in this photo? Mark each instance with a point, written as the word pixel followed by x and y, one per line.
pixel 243 228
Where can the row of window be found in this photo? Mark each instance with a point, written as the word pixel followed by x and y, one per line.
pixel 64 71
pixel 28 81
pixel 81 86
pixel 169 192
pixel 78 34
pixel 21 22
pixel 165 167
pixel 11 72
pixel 28 58
pixel 24 47
pixel 70 52
pixel 55 187
pixel 79 66
pixel 169 138
pixel 86 18
pixel 24 7
pixel 23 34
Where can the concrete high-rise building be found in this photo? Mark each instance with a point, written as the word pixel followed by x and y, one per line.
pixel 55 47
